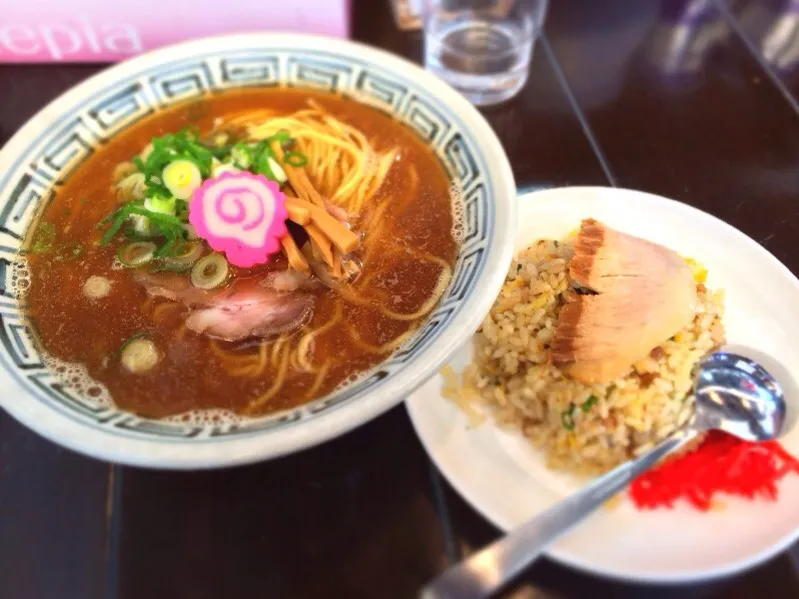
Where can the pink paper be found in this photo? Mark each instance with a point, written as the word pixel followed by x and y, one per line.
pixel 111 30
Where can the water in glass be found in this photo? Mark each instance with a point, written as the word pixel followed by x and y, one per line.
pixel 482 48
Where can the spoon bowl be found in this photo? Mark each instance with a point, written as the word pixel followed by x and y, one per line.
pixel 737 395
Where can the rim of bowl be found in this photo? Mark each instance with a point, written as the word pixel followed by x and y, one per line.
pixel 158 453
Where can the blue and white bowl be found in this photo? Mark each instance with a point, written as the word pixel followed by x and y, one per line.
pixel 55 141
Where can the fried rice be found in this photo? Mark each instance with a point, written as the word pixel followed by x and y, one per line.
pixel 581 428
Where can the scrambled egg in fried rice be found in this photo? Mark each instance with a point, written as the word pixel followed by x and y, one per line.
pixel 580 427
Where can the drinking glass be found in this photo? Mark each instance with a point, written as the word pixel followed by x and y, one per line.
pixel 483 48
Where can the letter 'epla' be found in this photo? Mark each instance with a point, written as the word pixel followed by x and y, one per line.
pixel 240 214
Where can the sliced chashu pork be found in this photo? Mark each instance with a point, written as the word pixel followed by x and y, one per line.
pixel 639 295
pixel 251 312
pixel 244 310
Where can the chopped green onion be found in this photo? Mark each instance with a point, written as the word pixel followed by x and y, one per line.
pixel 586 405
pixel 242 155
pixel 140 355
pixel 211 271
pixel 222 152
pixel 131 233
pixel 44 237
pixel 146 223
pixel 156 217
pixel 185 258
pixel 161 204
pixel 134 186
pixel 117 219
pixel 200 156
pixel 280 136
pixel 174 244
pixel 156 190
pixel 142 226
pixel 173 166
pixel 112 230
pixel 127 342
pixel 168 148
pixel 136 253
pixel 295 159
pixel 68 251
pixel 277 170
pixel 567 419
pixel 182 177
pixel 260 164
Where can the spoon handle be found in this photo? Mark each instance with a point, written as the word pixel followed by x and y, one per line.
pixel 483 573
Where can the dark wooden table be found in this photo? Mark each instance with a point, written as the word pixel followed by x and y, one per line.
pixel 698 104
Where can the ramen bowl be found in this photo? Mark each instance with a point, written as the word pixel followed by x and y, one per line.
pixel 49 149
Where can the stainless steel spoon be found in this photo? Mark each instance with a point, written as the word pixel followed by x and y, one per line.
pixel 733 394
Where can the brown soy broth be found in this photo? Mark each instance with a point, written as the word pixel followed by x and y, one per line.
pixel 417 221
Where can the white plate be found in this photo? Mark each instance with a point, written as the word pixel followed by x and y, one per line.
pixel 505 480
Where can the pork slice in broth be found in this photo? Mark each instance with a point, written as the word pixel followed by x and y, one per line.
pixel 244 310
pixel 253 312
